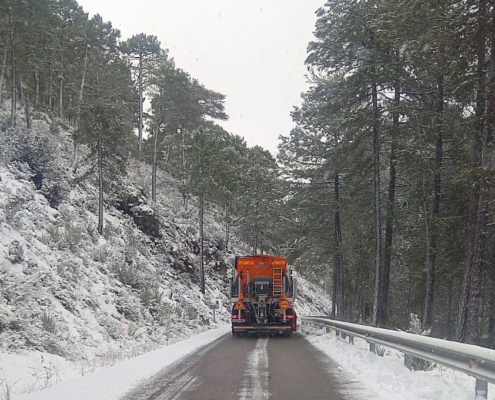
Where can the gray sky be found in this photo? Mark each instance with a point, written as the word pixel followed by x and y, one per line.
pixel 252 51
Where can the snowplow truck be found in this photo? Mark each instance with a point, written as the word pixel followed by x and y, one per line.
pixel 262 296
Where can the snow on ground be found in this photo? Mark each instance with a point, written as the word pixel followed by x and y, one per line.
pixel 113 382
pixel 363 375
pixel 371 377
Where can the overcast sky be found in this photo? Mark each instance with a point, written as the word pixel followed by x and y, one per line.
pixel 252 51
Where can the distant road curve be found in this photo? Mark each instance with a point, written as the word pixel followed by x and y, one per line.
pixel 249 368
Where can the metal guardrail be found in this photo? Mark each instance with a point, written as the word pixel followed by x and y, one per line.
pixel 476 361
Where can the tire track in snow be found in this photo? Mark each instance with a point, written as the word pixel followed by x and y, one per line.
pixel 255 384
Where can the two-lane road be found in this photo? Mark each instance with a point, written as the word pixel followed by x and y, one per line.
pixel 248 369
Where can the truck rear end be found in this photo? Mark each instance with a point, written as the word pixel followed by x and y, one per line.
pixel 262 296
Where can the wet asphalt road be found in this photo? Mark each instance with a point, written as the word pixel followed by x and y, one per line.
pixel 248 368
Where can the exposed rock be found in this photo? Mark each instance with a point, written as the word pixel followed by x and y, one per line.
pixel 144 220
pixel 147 223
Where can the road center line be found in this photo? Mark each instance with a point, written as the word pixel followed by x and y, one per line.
pixel 255 384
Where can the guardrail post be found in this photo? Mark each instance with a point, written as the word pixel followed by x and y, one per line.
pixel 481 390
pixel 408 361
pixel 351 339
pixel 373 347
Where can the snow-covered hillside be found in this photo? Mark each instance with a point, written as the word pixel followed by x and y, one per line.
pixel 68 294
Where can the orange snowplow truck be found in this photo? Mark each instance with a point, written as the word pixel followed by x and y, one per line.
pixel 262 296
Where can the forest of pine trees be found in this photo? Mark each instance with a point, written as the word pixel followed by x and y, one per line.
pixel 392 161
pixel 384 188
pixel 58 62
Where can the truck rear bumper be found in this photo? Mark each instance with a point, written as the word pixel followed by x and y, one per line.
pixel 271 329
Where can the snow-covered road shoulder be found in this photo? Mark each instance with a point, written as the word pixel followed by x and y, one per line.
pixel 386 377
pixel 113 382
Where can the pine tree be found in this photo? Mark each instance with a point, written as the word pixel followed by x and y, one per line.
pixel 145 49
pixel 105 121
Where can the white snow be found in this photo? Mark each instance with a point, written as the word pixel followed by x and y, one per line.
pixel 113 382
pixel 362 374
pixel 369 376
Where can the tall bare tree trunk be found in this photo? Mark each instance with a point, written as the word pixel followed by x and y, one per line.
pixel 201 240
pixel 227 225
pixel 491 320
pixel 100 186
pixel 61 81
pixel 490 121
pixel 61 96
pixel 255 241
pixel 378 297
pixel 389 225
pixel 2 73
pixel 83 77
pixel 140 126
pixel 36 88
pixel 358 298
pixel 75 160
pixel 482 311
pixel 50 87
pixel 450 311
pixel 183 164
pixel 154 168
pixel 335 279
pixel 100 173
pixel 338 295
pixel 467 329
pixel 339 271
pixel 435 214
pixel 25 99
pixel 13 116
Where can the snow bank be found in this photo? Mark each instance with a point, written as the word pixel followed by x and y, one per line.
pixel 368 375
pixel 113 382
